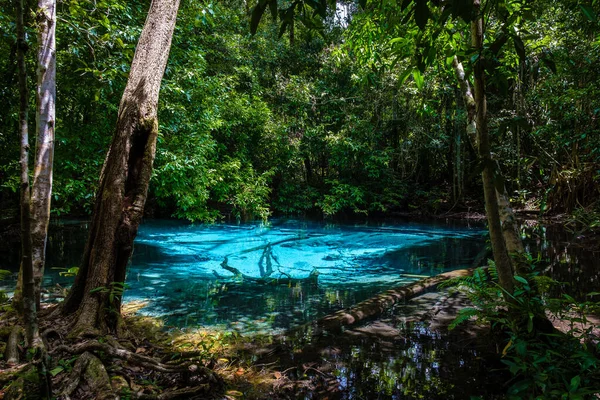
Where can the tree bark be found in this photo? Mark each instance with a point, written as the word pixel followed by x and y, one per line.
pixel 124 181
pixel 28 294
pixel 510 229
pixel 41 190
pixel 501 257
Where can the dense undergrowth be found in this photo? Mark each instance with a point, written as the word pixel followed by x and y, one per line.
pixel 546 361
pixel 323 123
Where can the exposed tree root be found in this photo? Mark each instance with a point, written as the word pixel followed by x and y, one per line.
pixel 9 374
pixel 130 357
pixel 12 346
pixel 184 393
pixel 91 370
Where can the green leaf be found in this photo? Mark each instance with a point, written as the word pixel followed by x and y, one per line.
pixel 56 371
pixel 418 79
pixel 575 383
pixel 405 76
pixel 521 279
pixel 498 43
pixel 421 13
pixel 519 47
pixel 588 12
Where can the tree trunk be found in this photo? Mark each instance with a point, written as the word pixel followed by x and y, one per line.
pixel 510 229
pixel 28 294
pixel 96 293
pixel 41 190
pixel 503 263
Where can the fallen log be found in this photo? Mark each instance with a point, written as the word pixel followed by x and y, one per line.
pixel 378 304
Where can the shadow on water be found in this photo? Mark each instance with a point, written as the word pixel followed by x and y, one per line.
pixel 178 270
pixel 401 355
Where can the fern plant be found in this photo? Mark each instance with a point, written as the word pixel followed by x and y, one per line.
pixel 544 362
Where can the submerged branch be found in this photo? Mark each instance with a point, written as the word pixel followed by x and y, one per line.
pixel 284 278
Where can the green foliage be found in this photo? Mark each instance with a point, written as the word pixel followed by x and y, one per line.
pixel 72 272
pixel 360 116
pixel 544 363
pixel 63 366
pixel 113 291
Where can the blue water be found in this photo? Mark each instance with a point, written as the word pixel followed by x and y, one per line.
pixel 176 267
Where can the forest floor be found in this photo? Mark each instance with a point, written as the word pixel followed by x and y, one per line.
pixel 407 351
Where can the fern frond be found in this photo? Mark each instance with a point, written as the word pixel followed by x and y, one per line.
pixel 464 315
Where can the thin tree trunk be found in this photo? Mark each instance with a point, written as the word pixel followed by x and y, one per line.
pixel 469 100
pixel 510 229
pixel 124 181
pixel 28 297
pixel 501 257
pixel 41 190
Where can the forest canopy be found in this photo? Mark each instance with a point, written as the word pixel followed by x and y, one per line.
pixel 359 113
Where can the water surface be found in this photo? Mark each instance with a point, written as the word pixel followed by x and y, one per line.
pixel 177 268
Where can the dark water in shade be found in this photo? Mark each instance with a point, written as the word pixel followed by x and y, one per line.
pixel 176 267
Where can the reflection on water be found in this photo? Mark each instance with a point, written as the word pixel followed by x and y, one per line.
pixel 406 353
pixel 176 267
pixel 568 257
pixel 422 364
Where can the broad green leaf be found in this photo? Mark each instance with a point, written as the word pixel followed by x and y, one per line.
pixel 519 47
pixel 588 12
pixel 575 383
pixel 521 279
pixel 418 78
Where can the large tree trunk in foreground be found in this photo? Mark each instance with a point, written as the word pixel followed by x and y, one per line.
pixel 124 181
pixel 28 293
pixel 501 257
pixel 41 190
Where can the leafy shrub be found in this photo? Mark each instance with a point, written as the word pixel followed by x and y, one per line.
pixel 544 362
